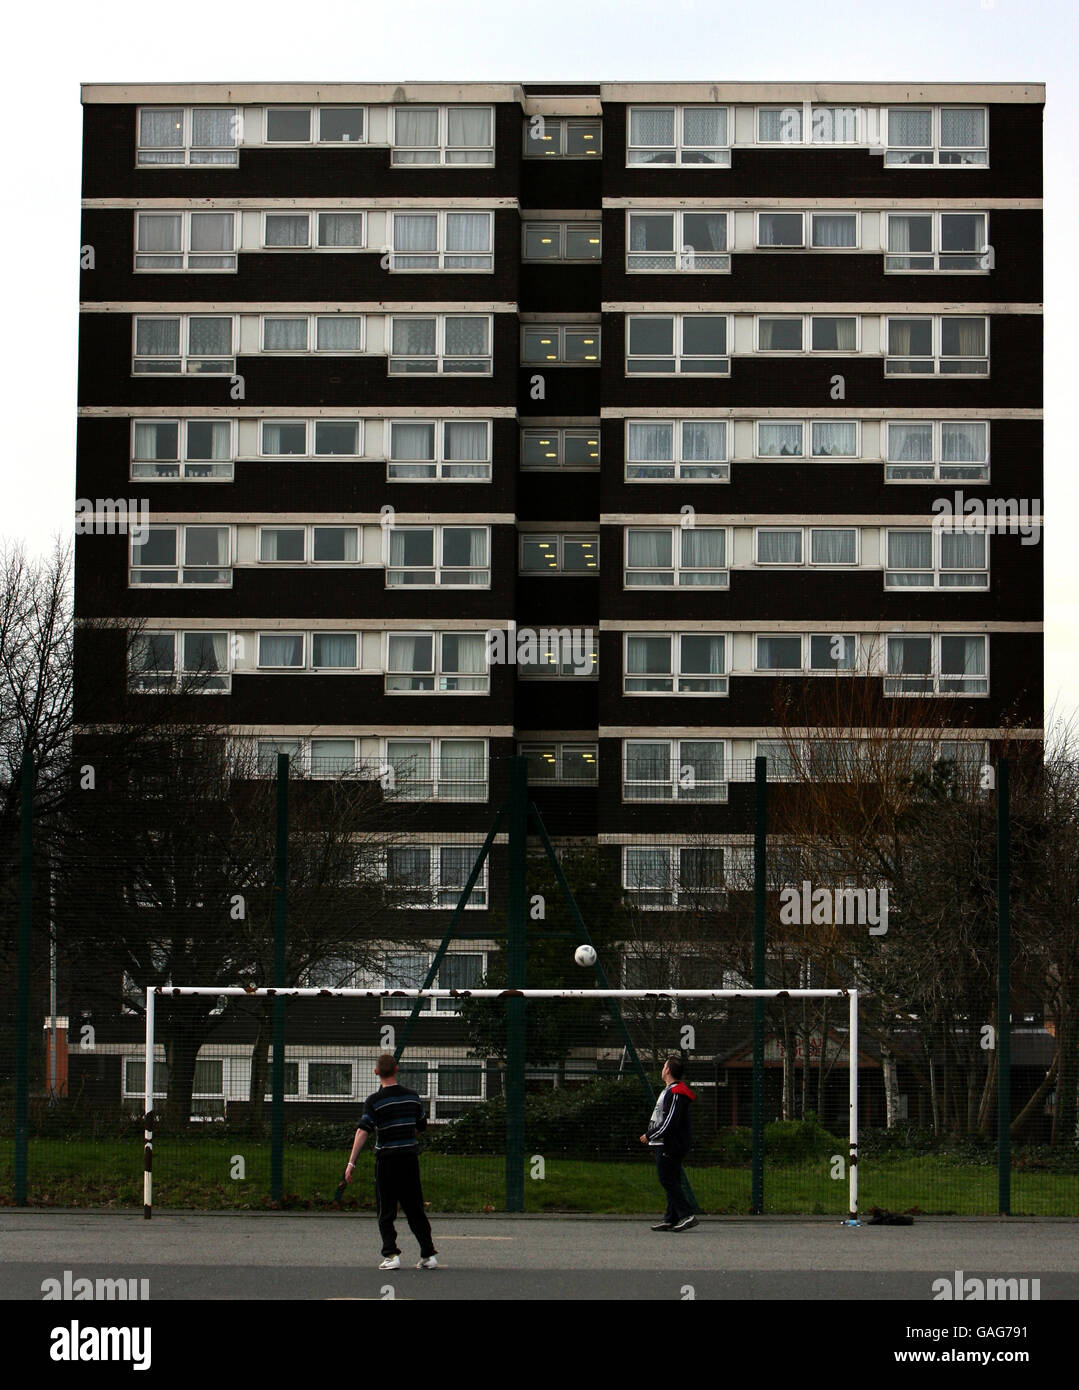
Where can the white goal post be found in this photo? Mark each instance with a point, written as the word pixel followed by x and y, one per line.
pixel 250 992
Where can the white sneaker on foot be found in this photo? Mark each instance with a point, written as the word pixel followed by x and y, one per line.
pixel 391 1262
pixel 428 1262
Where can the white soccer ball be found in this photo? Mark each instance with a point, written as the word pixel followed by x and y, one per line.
pixel 585 955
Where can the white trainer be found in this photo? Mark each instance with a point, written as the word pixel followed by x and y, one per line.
pixel 428 1262
pixel 391 1262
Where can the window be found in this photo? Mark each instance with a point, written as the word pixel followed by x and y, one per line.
pixel 664 557
pixel 949 449
pixel 567 763
pixel 684 876
pixel 804 123
pixel 304 125
pixel 950 241
pixel 571 553
pixel 197 555
pixel 310 438
pixel 409 969
pixel 829 333
pixel 329 758
pixel 657 344
pixel 782 230
pixel 557 653
pixel 557 449
pixel 440 450
pixel 937 558
pixel 297 545
pixel 279 651
pixel 447 662
pixel 187 135
pixel 797 652
pixel 834 439
pixel 439 769
pixel 164 449
pixel 269 750
pixel 440 343
pixel 333 231
pixel 658 450
pixel 562 137
pixel 674 770
pixel 942 664
pixel 562 241
pixel 329 1080
pixel 562 343
pixel 833 231
pixel 286 333
pixel 447 556
pixel 170 345
pixel 442 241
pixel 194 662
pixel 678 135
pixel 333 651
pixel 339 333
pixel 443 135
pixel 675 664
pixel 185 241
pixel 780 334
pixel 944 346
pixel 921 135
pixel 691 241
pixel 786 545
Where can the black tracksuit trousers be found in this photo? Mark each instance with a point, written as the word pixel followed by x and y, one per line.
pixel 397 1180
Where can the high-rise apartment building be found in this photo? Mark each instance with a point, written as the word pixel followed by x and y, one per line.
pixel 571 419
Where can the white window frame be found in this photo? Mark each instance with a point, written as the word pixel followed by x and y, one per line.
pixel 559 331
pixel 438 565
pixel 261 665
pixel 557 436
pixel 674 673
pixel 677 786
pixel 159 681
pixel 936 356
pixel 181 565
pixel 429 1008
pixel 440 463
pixel 559 539
pixel 721 468
pixel 809 128
pixel 685 259
pixel 805 661
pixel 313 229
pixel 314 123
pixel 936 464
pixel 186 148
pixel 441 680
pixel 814 213
pixel 679 148
pixel 190 261
pixel 935 255
pixel 799 245
pixel 187 363
pixel 182 462
pixel 677 569
pixel 442 150
pixel 435 781
pixel 308 529
pixel 807 561
pixel 936 575
pixel 717 896
pixel 311 426
pixel 440 253
pixel 935 149
pixel 439 355
pixel 936 677
pixel 800 319
pixel 678 356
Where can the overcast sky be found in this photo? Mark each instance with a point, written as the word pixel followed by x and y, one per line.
pixel 52 50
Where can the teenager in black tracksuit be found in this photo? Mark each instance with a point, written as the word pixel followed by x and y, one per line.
pixel 668 1137
pixel 394 1115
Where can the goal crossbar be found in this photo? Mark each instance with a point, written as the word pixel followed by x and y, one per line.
pixel 155 992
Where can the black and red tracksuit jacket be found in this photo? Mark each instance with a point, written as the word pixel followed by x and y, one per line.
pixel 668 1129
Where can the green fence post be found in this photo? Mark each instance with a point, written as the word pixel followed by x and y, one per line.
pixel 517 919
pixel 759 883
pixel 22 999
pixel 1004 995
pixel 277 1076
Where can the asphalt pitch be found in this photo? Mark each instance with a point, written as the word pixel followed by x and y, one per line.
pixel 329 1256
